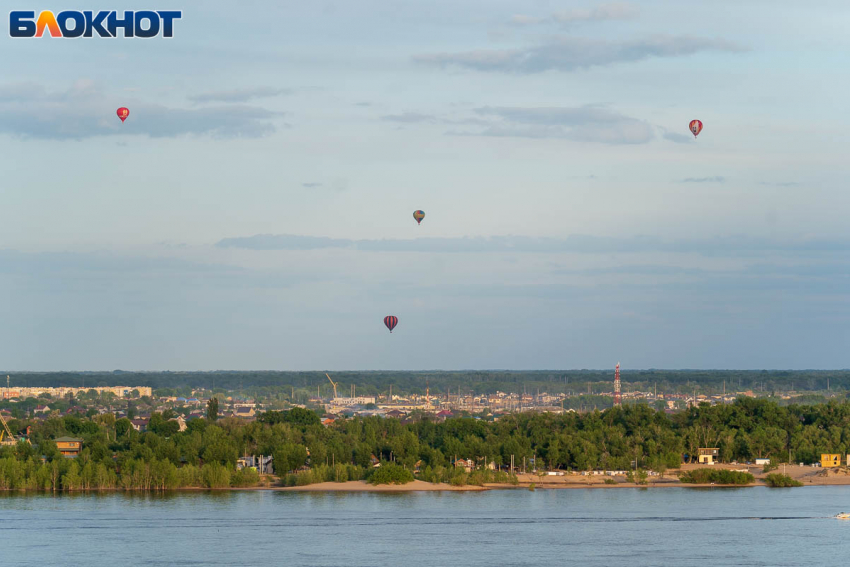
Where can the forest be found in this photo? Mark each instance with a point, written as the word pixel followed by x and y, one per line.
pixel 298 386
pixel 115 456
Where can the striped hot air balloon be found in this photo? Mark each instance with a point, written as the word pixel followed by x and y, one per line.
pixel 695 127
pixel 391 321
pixel 419 215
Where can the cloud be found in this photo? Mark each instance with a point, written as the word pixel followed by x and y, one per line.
pixel 577 243
pixel 676 137
pixel 84 111
pixel 21 92
pixel 780 184
pixel 283 242
pixel 603 12
pixel 311 185
pixel 523 20
pixel 612 11
pixel 239 95
pixel 585 124
pixel 16 262
pixel 571 54
pixel 409 117
pixel 715 179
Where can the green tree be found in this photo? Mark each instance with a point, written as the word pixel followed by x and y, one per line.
pixel 212 410
pixel 289 457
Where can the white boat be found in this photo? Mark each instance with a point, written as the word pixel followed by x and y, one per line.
pixel 843 516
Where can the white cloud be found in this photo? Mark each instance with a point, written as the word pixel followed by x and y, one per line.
pixel 571 54
pixel 612 11
pixel 85 111
pixel 585 123
pixel 239 95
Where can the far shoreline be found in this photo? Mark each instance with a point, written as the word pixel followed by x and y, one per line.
pixel 809 476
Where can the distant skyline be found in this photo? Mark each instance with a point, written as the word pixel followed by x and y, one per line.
pixel 255 209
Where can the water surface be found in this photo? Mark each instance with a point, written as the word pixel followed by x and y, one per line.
pixel 633 527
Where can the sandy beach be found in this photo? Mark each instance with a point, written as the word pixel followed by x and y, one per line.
pixel 809 476
pixel 363 486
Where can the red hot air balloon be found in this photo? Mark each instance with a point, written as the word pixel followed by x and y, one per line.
pixel 391 321
pixel 695 127
pixel 419 215
pixel 123 113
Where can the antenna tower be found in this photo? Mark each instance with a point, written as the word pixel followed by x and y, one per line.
pixel 617 397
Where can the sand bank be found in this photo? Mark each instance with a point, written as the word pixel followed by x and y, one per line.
pixel 363 486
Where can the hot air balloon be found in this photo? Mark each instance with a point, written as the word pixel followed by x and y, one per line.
pixel 696 127
pixel 419 215
pixel 123 113
pixel 391 321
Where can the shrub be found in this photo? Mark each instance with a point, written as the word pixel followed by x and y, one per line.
pixel 717 476
pixel 777 480
pixel 639 477
pixel 245 477
pixel 390 473
pixel 215 475
pixel 610 481
pixel 458 479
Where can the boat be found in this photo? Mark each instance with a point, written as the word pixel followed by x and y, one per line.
pixel 843 516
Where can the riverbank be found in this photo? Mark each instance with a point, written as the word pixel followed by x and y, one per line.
pixel 809 476
pixel 363 486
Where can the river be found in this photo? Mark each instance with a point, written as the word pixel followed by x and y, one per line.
pixel 605 527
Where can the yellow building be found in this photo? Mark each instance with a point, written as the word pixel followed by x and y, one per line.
pixel 830 460
pixel 69 446
pixel 708 455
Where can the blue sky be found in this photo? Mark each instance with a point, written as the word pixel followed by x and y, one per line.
pixel 255 210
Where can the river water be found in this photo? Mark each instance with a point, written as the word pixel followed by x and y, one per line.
pixel 605 527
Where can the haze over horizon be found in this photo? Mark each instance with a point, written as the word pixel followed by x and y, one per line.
pixel 254 211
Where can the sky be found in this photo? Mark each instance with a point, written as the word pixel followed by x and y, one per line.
pixel 255 209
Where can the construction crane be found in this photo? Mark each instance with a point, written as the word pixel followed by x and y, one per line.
pixel 333 384
pixel 5 431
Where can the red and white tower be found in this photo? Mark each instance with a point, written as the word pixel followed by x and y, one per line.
pixel 617 397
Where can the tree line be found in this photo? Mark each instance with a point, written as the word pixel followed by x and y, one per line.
pixel 205 454
pixel 287 384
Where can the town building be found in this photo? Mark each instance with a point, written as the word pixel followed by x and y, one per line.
pixel 830 460
pixel 708 456
pixel 70 447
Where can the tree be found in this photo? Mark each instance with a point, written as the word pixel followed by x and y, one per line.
pixel 289 457
pixel 122 426
pixel 212 410
pixel 159 425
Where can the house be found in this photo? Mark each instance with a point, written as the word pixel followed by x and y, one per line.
pixel 41 410
pixel 70 447
pixel 244 413
pixel 708 456
pixel 375 462
pixel 139 425
pixel 262 464
pixel 395 414
pixel 762 462
pixel 830 460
